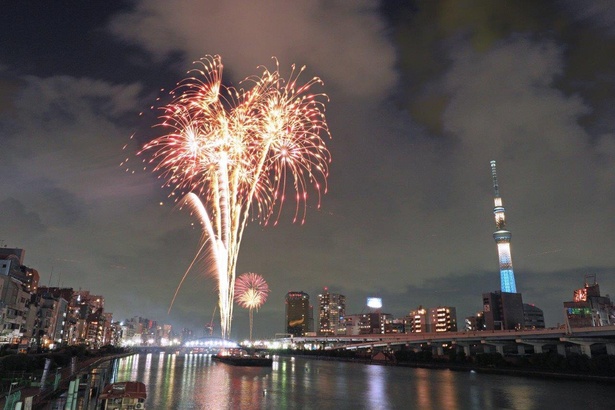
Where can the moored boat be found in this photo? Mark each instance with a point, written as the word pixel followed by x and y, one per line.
pixel 239 357
pixel 124 396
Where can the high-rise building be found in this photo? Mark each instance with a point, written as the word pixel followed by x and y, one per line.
pixel 502 239
pixel 393 325
pixel 11 264
pixel 31 278
pixel 443 319
pixel 13 253
pixel 299 317
pixel 17 282
pixel 48 330
pixel 353 324
pixel 374 322
pixel 14 308
pixel 417 321
pixel 503 311
pixel 476 322
pixel 533 317
pixel 331 312
pixel 438 319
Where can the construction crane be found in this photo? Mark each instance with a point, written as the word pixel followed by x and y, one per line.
pixel 210 326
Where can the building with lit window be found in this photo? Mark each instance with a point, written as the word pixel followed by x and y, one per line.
pixel 352 324
pixel 393 325
pixel 299 316
pixel 14 308
pixel 443 319
pixel 12 264
pixel 372 323
pixel 48 329
pixel 331 313
pixel 417 321
pixel 475 323
pixel 588 308
pixel 431 320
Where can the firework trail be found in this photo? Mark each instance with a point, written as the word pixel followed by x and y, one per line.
pixel 251 292
pixel 231 155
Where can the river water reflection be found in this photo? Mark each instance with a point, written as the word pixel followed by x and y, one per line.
pixel 197 382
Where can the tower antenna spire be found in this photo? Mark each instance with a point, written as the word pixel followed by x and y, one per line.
pixel 494 175
pixel 502 238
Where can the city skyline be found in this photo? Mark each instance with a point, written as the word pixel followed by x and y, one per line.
pixel 422 96
pixel 332 317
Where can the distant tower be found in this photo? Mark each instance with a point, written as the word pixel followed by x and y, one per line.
pixel 502 238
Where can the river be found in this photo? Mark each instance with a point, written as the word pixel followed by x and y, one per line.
pixel 196 382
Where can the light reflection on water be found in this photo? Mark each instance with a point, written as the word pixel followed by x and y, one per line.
pixel 197 382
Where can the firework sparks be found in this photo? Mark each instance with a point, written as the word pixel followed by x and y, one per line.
pixel 232 154
pixel 251 292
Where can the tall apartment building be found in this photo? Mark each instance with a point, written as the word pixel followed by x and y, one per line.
pixel 11 264
pixel 86 319
pixel 438 319
pixel 475 323
pixel 443 319
pixel 14 308
pixel 331 313
pixel 63 296
pixel 17 283
pixel 417 321
pixel 49 327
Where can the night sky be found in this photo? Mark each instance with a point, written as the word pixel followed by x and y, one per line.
pixel 423 94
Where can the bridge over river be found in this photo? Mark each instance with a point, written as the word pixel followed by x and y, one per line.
pixel 588 341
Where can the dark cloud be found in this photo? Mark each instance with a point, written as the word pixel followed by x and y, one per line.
pixel 17 222
pixel 599 13
pixel 304 32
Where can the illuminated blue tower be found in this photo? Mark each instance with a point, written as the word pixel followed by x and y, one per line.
pixel 502 239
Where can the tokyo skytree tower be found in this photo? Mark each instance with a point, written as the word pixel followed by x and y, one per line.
pixel 502 239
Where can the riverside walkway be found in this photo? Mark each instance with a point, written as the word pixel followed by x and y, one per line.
pixel 57 382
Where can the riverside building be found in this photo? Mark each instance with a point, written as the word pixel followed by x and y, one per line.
pixel 431 320
pixel 588 308
pixel 299 316
pixel 331 313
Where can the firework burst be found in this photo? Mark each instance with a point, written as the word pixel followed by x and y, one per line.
pixel 251 292
pixel 234 154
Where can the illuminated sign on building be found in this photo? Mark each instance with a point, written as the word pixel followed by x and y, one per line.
pixel 374 303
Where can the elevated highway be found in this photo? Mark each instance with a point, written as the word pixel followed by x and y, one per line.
pixel 539 340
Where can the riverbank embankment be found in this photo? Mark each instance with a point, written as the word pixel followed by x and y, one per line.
pixel 57 382
pixel 504 367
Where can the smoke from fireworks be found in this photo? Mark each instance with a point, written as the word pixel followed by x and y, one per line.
pixel 251 292
pixel 231 154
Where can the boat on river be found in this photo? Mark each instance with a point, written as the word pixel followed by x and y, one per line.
pixel 124 396
pixel 240 357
